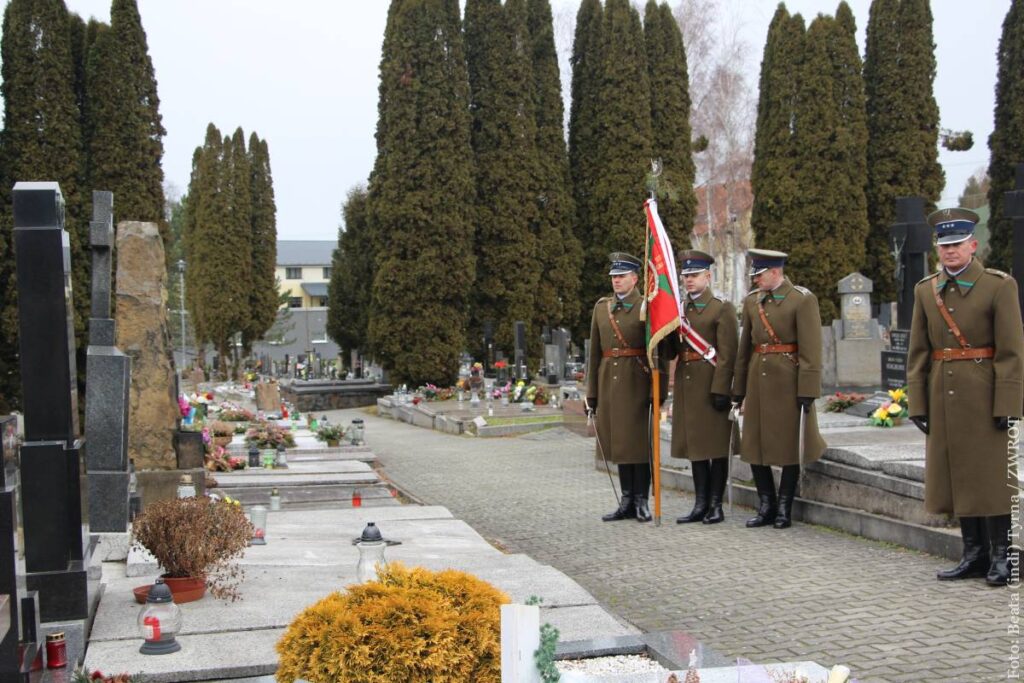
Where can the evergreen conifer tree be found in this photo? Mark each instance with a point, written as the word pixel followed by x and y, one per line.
pixel 263 292
pixel 583 136
pixel 670 121
pixel 623 148
pixel 124 132
pixel 560 255
pixel 422 196
pixel 773 175
pixel 351 277
pixel 1006 143
pixel 903 120
pixel 826 232
pixel 41 140
pixel 503 140
pixel 239 194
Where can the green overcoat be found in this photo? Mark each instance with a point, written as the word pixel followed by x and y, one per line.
pixel 622 386
pixel 966 470
pixel 699 432
pixel 771 382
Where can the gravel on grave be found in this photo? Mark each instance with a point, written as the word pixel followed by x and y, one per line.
pixel 621 664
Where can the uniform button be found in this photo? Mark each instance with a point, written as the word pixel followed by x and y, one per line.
pixel 950 309
pixel 764 374
pixel 615 377
pixel 950 392
pixel 949 372
pixel 687 377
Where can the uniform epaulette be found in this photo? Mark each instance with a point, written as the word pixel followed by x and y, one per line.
pixel 753 291
pixel 1000 273
pixel 603 299
pixel 719 297
pixel 802 290
pixel 928 277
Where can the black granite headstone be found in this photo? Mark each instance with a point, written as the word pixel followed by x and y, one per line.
pixel 894 369
pixel 910 239
pixel 868 405
pixel 899 340
pixel 51 455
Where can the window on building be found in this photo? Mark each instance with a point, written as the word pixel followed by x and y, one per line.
pixel 293 273
pixel 295 302
pixel 327 273
pixel 321 301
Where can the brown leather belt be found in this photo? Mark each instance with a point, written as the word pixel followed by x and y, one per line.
pixel 620 353
pixel 775 348
pixel 963 354
pixel 690 356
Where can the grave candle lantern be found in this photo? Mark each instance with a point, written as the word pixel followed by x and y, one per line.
pixel 186 489
pixel 159 622
pixel 282 457
pixel 254 456
pixel 371 553
pixel 259 524
pixel 358 430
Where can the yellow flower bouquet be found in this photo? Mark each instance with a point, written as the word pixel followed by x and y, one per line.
pixel 892 412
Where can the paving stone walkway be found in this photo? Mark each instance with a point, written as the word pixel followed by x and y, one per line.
pixel 806 593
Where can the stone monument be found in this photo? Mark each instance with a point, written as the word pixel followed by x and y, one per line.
pixel 108 377
pixel 56 555
pixel 268 397
pixel 911 241
pixel 143 334
pixel 858 340
pixel 520 349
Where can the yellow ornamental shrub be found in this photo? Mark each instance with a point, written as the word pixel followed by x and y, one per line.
pixel 412 625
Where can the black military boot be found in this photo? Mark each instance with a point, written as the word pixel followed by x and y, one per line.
pixel 641 485
pixel 719 473
pixel 998 529
pixel 701 486
pixel 627 509
pixel 975 560
pixel 787 491
pixel 764 480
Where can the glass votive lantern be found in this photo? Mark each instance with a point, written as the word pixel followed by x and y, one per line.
pixel 358 432
pixel 269 456
pixel 275 500
pixel 371 553
pixel 282 457
pixel 259 525
pixel 159 621
pixel 254 456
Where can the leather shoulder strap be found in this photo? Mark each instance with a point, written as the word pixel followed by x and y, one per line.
pixel 950 323
pixel 617 331
pixel 771 331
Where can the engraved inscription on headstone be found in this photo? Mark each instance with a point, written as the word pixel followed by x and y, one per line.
pixel 855 306
pixel 899 340
pixel 894 369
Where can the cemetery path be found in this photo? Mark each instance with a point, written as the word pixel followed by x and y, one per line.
pixel 764 594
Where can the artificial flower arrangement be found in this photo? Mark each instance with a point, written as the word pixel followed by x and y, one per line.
pixel 893 411
pixel 218 460
pixel 268 435
pixel 840 401
pixel 84 675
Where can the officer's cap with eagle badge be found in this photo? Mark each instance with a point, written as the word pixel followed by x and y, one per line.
pixel 953 226
pixel 694 261
pixel 763 259
pixel 623 263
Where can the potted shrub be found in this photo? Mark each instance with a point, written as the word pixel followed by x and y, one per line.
pixel 196 541
pixel 411 624
pixel 330 433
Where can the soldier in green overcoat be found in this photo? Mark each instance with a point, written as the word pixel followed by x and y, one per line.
pixel 965 375
pixel 778 375
pixel 703 384
pixel 619 387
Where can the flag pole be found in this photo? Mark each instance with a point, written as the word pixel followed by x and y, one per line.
pixel 655 376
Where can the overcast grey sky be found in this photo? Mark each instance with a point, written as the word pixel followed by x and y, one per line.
pixel 303 75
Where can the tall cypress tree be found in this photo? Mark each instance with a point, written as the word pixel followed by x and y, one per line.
pixel 826 232
pixel 584 132
pixel 503 140
pixel 351 277
pixel 124 132
pixel 421 205
pixel 263 292
pixel 41 141
pixel 773 175
pixel 670 121
pixel 903 123
pixel 623 149
pixel 559 251
pixel 239 192
pixel 1006 143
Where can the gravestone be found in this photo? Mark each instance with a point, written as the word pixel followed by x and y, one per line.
pixel 857 338
pixel 910 239
pixel 9 548
pixel 268 396
pixel 143 334
pixel 55 553
pixel 894 361
pixel 560 338
pixel 108 378
pixel 520 350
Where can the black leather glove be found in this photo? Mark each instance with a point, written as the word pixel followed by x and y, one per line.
pixel 590 406
pixel 805 403
pixel 921 422
pixel 738 399
pixel 1002 423
pixel 720 402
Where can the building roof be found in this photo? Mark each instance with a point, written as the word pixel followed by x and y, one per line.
pixel 315 288
pixel 305 252
pixel 729 201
